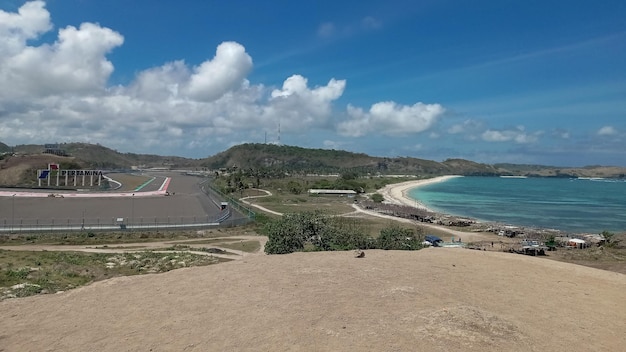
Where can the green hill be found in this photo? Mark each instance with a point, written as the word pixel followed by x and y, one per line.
pixel 4 148
pixel 278 160
pixel 292 159
pixel 98 156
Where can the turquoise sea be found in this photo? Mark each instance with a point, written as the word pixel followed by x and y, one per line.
pixel 573 205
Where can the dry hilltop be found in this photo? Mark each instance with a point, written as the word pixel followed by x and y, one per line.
pixel 435 299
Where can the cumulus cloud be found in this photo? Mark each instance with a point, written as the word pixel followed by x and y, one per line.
pixel 161 82
pixel 29 22
pixel 59 91
pixel 75 62
pixel 517 135
pixel 207 82
pixel 390 118
pixel 298 106
pixel 467 127
pixel 607 131
pixel 225 72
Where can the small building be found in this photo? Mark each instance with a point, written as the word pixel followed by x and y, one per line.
pixel 338 192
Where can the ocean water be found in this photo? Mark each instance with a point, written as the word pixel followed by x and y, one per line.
pixel 573 205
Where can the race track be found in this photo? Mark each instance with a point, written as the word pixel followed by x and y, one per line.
pixel 186 203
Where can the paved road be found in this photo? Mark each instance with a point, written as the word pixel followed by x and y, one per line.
pixel 186 203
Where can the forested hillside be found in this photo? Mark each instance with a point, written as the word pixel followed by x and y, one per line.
pixel 284 160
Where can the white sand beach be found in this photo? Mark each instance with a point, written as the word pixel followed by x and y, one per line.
pixel 397 193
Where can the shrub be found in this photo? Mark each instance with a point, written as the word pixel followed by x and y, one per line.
pixel 289 233
pixel 377 198
pixel 396 237
pixel 314 231
pixel 295 187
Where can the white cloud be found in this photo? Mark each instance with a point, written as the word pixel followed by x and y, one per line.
pixel 59 91
pixel 416 147
pixel 29 22
pixel 370 22
pixel 299 107
pixel 226 71
pixel 607 131
pixel 456 129
pixel 75 63
pixel 561 133
pixel 517 135
pixel 467 126
pixel 160 83
pixel 346 30
pixel 207 82
pixel 328 144
pixel 326 29
pixel 390 118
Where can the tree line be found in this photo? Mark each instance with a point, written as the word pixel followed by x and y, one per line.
pixel 316 231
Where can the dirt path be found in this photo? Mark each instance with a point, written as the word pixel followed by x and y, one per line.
pixel 152 246
pixel 465 236
pixel 268 193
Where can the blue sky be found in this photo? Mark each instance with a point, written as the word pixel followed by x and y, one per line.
pixel 534 82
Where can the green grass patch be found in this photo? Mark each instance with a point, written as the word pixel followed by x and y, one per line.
pixel 245 246
pixel 266 200
pixel 212 250
pixel 209 241
pixel 285 202
pixel 372 225
pixel 119 247
pixel 24 273
pixel 130 182
pixel 118 238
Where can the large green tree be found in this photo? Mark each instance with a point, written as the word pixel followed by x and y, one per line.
pixel 292 232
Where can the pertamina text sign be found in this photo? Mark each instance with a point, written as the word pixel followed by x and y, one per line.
pixel 71 177
pixel 63 173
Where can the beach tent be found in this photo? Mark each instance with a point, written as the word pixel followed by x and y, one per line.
pixel 576 242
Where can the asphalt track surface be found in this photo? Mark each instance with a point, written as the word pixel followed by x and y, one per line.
pixel 186 203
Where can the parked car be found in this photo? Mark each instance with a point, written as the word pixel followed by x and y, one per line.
pixel 433 240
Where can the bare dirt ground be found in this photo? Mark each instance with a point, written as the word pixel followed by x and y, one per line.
pixel 153 246
pixel 430 300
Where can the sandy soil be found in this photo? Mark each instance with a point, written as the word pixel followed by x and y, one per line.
pixel 152 246
pixel 430 300
pixel 396 193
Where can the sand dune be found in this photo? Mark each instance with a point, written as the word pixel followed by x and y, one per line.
pixel 431 300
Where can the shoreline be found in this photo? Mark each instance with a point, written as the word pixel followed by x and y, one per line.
pixel 396 193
